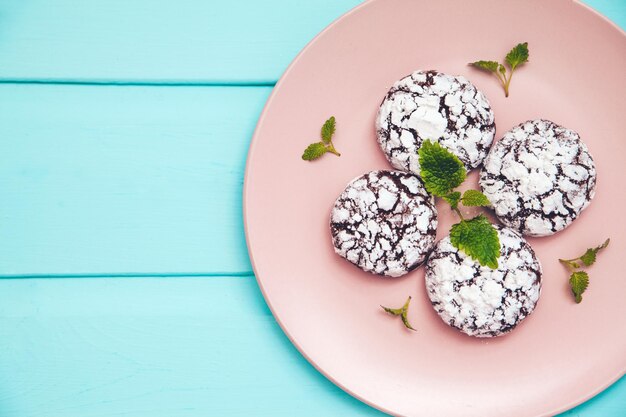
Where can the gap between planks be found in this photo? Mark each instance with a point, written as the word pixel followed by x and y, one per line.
pixel 128 275
pixel 139 83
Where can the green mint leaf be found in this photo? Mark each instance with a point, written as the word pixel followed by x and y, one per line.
pixel 589 257
pixel 518 55
pixel 314 151
pixel 393 311
pixel 474 198
pixel 502 70
pixel 402 312
pixel 579 281
pixel 328 130
pixel 491 66
pixel 440 169
pixel 405 321
pixel 478 238
pixel 453 199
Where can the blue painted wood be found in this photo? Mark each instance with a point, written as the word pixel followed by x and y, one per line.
pixel 166 347
pixel 183 40
pixel 155 348
pixel 125 179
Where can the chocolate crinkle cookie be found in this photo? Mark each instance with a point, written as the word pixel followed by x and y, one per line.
pixel 384 222
pixel 539 177
pixel 478 300
pixel 443 108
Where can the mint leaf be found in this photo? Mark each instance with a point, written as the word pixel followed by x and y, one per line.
pixel 402 312
pixel 518 55
pixel 474 198
pixel 328 130
pixel 502 70
pixel 440 170
pixel 589 257
pixel 491 66
pixel 453 199
pixel 314 151
pixel 478 238
pixel 579 281
pixel 393 311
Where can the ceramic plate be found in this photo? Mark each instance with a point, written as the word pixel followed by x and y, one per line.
pixel 563 353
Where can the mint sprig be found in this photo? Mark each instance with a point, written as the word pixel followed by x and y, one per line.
pixel 579 280
pixel 516 57
pixel 441 172
pixel 402 312
pixel 317 149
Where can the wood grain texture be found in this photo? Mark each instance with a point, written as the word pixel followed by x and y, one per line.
pixel 184 40
pixel 124 179
pixel 153 347
pixel 165 347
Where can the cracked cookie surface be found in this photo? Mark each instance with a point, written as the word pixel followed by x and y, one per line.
pixel 384 222
pixel 440 107
pixel 539 177
pixel 478 300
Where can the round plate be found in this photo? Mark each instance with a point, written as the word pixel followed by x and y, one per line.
pixel 564 353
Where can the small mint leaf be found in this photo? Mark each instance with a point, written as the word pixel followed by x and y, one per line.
pixel 501 69
pixel 518 55
pixel 440 169
pixel 579 281
pixel 328 130
pixel 589 257
pixel 491 66
pixel 393 311
pixel 474 198
pixel 314 151
pixel 405 321
pixel 478 238
pixel 453 199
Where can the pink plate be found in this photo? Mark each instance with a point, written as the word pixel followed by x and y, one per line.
pixel 563 353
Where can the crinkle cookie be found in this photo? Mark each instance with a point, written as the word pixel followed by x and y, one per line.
pixel 478 300
pixel 443 108
pixel 384 222
pixel 539 177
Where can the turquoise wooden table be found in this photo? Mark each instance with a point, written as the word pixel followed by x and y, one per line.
pixel 127 289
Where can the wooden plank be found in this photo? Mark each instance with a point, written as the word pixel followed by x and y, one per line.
pixel 176 41
pixel 184 40
pixel 125 179
pixel 165 347
pixel 153 347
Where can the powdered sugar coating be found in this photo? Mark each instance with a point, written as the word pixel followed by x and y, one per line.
pixel 440 107
pixel 384 222
pixel 478 300
pixel 539 177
